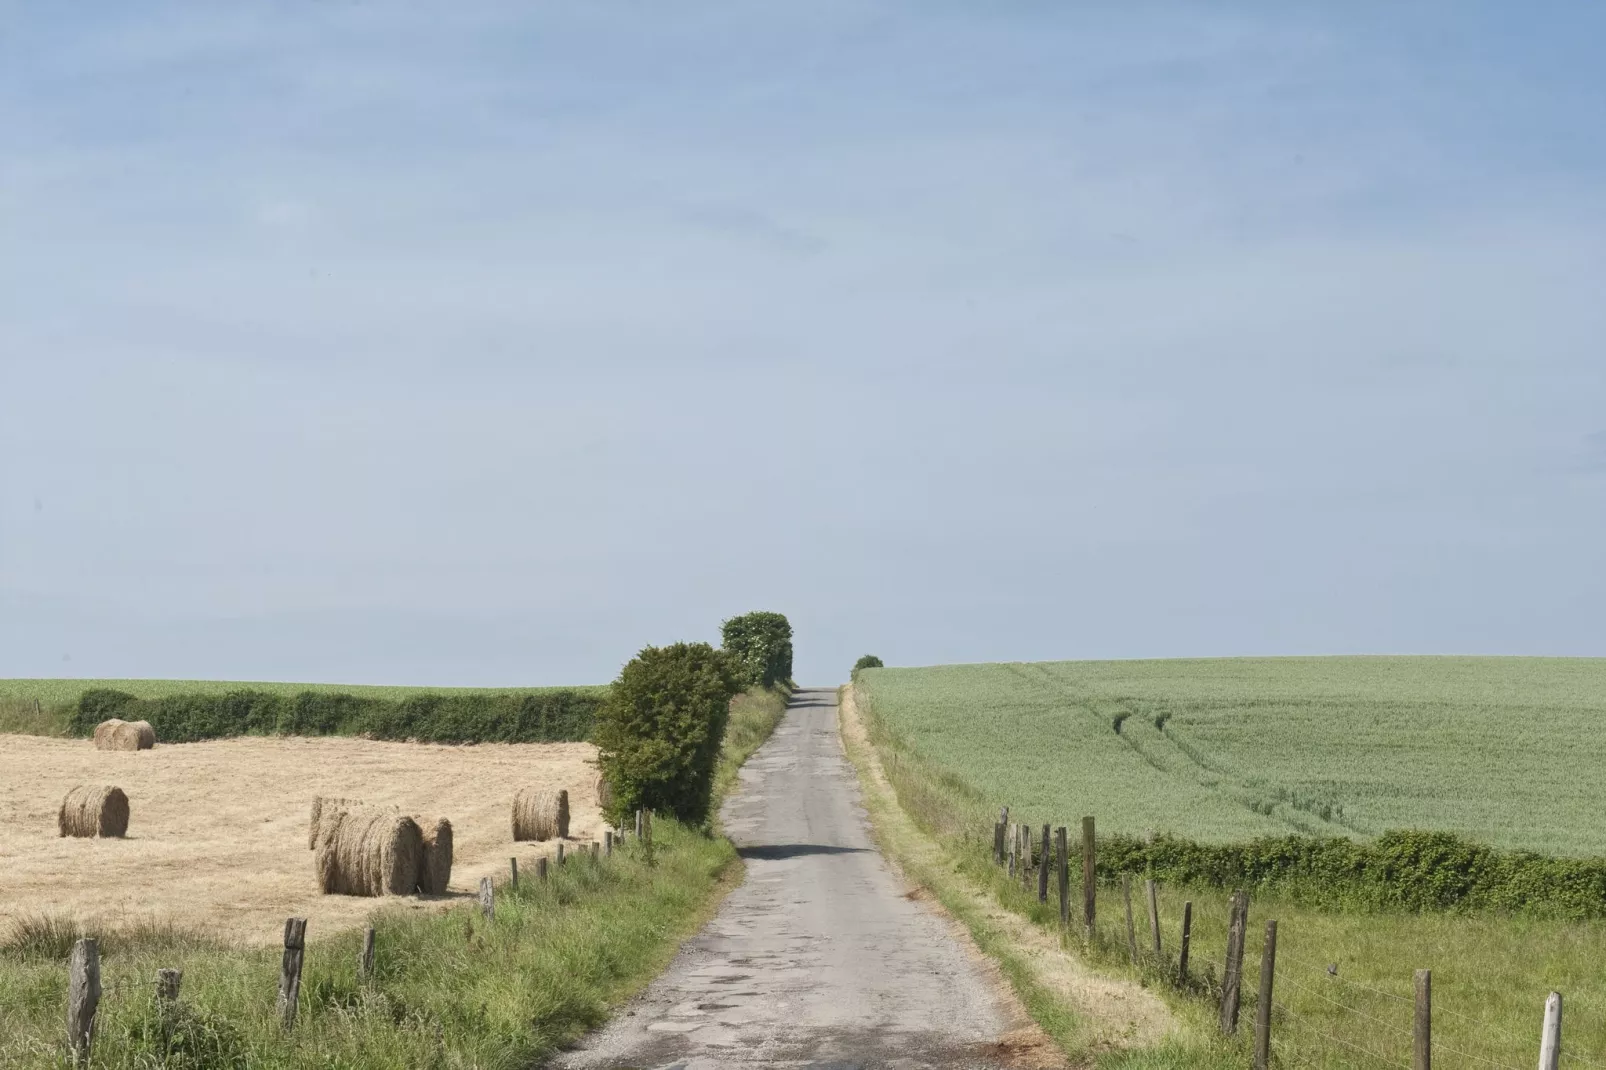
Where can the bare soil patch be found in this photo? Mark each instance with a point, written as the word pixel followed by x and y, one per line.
pixel 217 837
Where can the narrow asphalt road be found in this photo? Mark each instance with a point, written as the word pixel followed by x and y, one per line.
pixel 818 959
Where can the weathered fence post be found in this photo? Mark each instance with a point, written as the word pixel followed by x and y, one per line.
pixel 1014 850
pixel 639 822
pixel 1268 971
pixel 487 898
pixel 540 869
pixel 1550 1039
pixel 998 843
pixel 1061 850
pixel 1232 974
pixel 1043 867
pixel 167 985
pixel 83 998
pixel 513 867
pixel 1422 1034
pixel 365 964
pixel 607 842
pixel 1187 938
pixel 295 944
pixel 1089 876
pixel 647 836
pixel 1131 933
pixel 560 853
pixel 596 851
pixel 1025 855
pixel 1152 890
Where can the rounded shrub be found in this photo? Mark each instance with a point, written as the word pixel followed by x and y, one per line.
pixel 760 646
pixel 869 661
pixel 659 732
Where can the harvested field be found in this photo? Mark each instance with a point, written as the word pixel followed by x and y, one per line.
pixel 218 838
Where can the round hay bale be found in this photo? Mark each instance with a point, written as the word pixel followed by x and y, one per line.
pixel 93 811
pixel 325 807
pixel 435 873
pixel 118 734
pixel 540 815
pixel 368 851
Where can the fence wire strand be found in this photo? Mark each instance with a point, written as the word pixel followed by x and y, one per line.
pixel 1391 1026
pixel 1385 1060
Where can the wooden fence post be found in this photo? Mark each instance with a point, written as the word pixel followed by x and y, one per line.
pixel 596 851
pixel 487 898
pixel 998 843
pixel 1089 876
pixel 540 869
pixel 513 866
pixel 1014 850
pixel 1232 974
pixel 167 984
pixel 295 943
pixel 639 823
pixel 1268 972
pixel 83 998
pixel 560 853
pixel 1422 1034
pixel 1152 890
pixel 1061 849
pixel 1550 1039
pixel 1131 933
pixel 365 964
pixel 1187 938
pixel 1043 867
pixel 607 842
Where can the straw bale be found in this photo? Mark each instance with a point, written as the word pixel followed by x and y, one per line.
pixel 93 811
pixel 540 815
pixel 118 734
pixel 435 873
pixel 325 806
pixel 368 851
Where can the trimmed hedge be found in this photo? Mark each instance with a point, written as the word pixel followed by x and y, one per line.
pixel 549 716
pixel 1409 870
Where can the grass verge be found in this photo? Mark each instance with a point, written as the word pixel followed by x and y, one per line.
pixel 449 990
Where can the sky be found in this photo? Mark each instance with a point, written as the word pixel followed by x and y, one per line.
pixel 485 344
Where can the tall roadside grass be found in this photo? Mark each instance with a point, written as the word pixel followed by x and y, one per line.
pixel 1491 971
pixel 34 717
pixel 450 990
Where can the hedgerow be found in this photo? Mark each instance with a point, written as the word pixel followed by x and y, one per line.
pixel 550 715
pixel 1408 870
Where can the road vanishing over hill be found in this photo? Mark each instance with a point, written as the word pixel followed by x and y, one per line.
pixel 819 959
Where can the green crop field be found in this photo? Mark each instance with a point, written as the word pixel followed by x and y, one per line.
pixel 1503 751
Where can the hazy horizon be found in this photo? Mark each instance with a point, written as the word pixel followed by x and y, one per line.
pixel 349 344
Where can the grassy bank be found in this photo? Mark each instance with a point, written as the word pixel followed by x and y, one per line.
pixel 1491 972
pixel 451 990
pixel 754 715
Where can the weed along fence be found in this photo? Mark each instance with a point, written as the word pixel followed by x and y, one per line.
pixel 1290 1010
pixel 87 990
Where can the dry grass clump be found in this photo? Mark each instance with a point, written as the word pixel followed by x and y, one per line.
pixel 435 871
pixel 118 734
pixel 540 815
pixel 93 811
pixel 371 852
pixel 325 807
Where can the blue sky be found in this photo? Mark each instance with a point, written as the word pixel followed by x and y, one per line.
pixel 342 341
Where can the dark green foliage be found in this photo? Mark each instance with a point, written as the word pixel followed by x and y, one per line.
pixel 476 717
pixel 96 705
pixel 869 661
pixel 660 730
pixel 761 646
pixel 1402 870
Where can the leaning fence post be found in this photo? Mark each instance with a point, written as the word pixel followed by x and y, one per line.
pixel 1232 974
pixel 1064 878
pixel 487 898
pixel 1151 889
pixel 1089 875
pixel 365 965
pixel 295 943
pixel 1268 971
pixel 83 998
pixel 1187 938
pixel 1042 869
pixel 1550 1039
pixel 1131 933
pixel 1422 1034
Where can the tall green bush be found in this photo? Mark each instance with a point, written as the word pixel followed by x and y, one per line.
pixel 659 732
pixel 869 661
pixel 761 646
